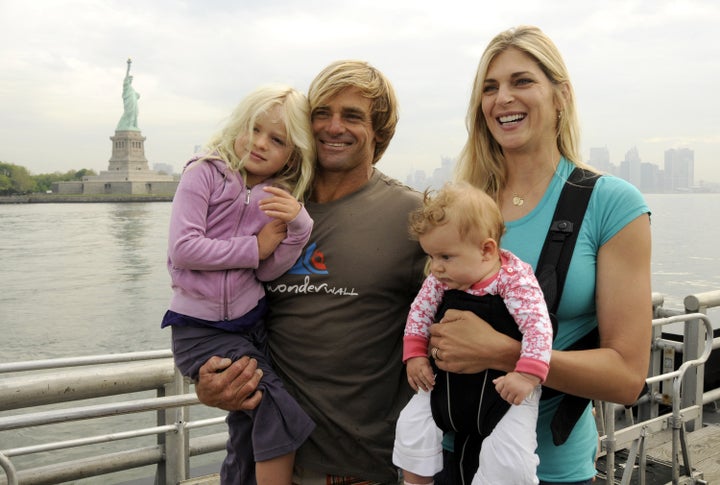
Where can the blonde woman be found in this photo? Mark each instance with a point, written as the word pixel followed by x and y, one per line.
pixel 522 146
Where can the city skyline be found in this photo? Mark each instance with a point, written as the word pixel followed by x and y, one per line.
pixel 676 175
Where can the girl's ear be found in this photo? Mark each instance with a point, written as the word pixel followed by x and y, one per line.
pixel 294 158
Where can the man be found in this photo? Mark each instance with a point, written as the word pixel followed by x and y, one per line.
pixel 336 319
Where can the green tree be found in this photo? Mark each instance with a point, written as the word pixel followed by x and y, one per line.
pixel 15 179
pixel 44 181
pixel 5 183
pixel 20 180
pixel 83 172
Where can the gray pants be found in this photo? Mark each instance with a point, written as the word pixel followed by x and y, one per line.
pixel 275 428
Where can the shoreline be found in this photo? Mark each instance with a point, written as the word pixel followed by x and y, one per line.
pixel 83 198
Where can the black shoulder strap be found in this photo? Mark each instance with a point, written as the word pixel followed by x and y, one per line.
pixel 551 270
pixel 560 242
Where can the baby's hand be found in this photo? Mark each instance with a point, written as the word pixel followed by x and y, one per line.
pixel 420 374
pixel 281 206
pixel 514 387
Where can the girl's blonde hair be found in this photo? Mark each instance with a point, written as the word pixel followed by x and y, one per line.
pixel 481 161
pixel 474 213
pixel 296 176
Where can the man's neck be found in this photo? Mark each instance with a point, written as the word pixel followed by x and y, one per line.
pixel 330 186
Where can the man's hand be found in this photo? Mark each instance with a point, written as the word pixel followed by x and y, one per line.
pixel 229 386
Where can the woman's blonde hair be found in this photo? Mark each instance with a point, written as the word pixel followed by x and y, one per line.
pixel 474 213
pixel 296 176
pixel 372 84
pixel 481 161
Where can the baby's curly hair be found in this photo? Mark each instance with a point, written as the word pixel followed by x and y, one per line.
pixel 473 211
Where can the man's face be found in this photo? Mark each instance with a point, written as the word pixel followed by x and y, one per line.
pixel 343 131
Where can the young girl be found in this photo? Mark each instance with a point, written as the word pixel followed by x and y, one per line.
pixel 460 229
pixel 234 225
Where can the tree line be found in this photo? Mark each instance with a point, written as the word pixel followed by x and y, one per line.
pixel 17 180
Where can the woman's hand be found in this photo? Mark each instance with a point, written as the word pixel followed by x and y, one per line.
pixel 468 344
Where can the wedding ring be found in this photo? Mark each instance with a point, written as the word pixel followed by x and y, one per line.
pixel 434 353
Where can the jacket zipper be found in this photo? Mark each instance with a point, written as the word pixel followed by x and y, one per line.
pixel 225 299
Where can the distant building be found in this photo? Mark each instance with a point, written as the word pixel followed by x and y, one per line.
pixel 418 179
pixel 630 167
pixel 600 159
pixel 164 168
pixel 679 169
pixel 651 178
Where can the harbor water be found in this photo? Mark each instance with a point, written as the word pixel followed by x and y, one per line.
pixel 78 279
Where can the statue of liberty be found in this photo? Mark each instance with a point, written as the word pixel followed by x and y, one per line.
pixel 128 122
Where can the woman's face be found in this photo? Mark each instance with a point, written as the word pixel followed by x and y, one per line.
pixel 518 103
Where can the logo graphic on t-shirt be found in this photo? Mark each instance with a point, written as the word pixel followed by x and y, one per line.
pixel 312 261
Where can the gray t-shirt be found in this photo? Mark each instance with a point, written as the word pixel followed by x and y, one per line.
pixel 336 325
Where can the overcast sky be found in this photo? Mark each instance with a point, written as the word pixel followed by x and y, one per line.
pixel 645 72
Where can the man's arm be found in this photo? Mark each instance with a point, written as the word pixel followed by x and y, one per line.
pixel 229 386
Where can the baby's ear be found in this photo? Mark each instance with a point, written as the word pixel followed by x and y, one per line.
pixel 489 247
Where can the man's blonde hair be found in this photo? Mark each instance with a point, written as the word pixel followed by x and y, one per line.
pixel 372 84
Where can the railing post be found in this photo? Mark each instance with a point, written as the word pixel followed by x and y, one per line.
pixel 648 409
pixel 177 443
pixel 693 344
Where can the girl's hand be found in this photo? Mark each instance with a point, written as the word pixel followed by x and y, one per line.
pixel 270 237
pixel 282 205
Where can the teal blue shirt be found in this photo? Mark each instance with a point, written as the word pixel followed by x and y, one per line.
pixel 614 204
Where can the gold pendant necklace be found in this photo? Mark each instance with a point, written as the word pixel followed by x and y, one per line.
pixel 518 200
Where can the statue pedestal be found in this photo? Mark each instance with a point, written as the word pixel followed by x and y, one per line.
pixel 128 160
pixel 128 152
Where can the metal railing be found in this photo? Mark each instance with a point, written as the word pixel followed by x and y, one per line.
pixel 681 388
pixel 49 382
pixel 29 385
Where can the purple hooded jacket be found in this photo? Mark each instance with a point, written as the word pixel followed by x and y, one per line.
pixel 212 249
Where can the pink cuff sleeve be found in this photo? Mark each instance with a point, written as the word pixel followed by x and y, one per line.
pixel 533 367
pixel 414 346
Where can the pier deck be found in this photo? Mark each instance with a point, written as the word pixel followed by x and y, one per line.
pixel 703 448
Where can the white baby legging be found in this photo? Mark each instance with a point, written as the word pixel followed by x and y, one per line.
pixel 507 456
